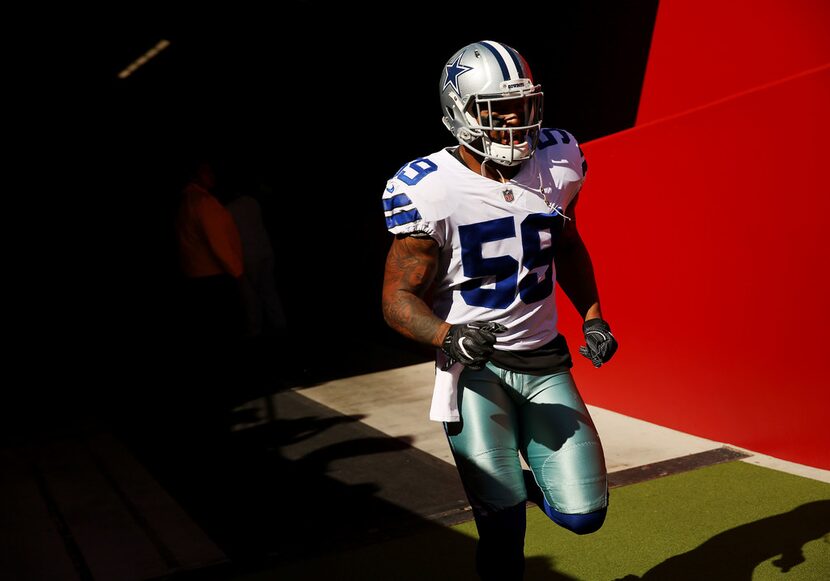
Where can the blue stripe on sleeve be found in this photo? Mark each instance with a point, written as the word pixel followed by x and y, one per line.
pixel 402 218
pixel 390 204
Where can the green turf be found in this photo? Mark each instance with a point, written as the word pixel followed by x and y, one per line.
pixel 730 522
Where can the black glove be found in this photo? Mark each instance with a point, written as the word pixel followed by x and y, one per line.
pixel 601 344
pixel 472 344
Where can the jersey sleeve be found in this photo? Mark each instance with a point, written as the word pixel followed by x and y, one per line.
pixel 566 162
pixel 415 201
pixel 402 215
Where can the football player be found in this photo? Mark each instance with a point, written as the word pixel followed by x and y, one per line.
pixel 485 229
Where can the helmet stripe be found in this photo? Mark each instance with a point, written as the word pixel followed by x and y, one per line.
pixel 518 61
pixel 505 60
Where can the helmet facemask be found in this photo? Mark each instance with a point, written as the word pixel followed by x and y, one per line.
pixel 503 127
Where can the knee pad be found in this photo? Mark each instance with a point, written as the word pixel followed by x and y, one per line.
pixel 581 524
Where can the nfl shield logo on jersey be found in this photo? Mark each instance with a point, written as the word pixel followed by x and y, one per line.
pixel 508 195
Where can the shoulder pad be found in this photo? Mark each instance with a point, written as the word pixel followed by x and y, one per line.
pixel 421 184
pixel 558 146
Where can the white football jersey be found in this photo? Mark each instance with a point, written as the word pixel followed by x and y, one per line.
pixel 496 239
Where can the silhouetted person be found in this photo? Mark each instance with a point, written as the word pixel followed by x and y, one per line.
pixel 263 308
pixel 210 254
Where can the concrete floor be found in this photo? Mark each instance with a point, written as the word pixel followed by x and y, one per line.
pixel 396 402
pixel 178 487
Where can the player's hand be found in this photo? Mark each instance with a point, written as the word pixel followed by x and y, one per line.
pixel 471 344
pixel 601 344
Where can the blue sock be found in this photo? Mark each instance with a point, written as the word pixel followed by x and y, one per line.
pixel 581 524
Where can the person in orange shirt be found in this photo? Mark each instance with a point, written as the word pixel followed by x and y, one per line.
pixel 210 255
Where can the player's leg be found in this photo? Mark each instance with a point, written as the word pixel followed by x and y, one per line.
pixel 485 447
pixel 562 448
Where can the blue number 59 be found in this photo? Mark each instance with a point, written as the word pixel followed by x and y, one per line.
pixel 505 269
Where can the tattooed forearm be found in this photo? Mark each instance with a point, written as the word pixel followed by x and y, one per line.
pixel 410 269
pixel 408 315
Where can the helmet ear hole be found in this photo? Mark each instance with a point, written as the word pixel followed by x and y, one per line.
pixel 450 113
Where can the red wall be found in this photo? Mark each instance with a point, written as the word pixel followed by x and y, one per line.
pixel 705 50
pixel 711 238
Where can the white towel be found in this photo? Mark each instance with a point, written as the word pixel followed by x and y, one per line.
pixel 445 393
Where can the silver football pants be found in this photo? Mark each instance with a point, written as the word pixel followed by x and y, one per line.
pixel 503 414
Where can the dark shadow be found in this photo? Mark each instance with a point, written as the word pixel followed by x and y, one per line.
pixel 101 345
pixel 734 554
pixel 261 504
pixel 305 484
pixel 217 87
pixel 561 422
